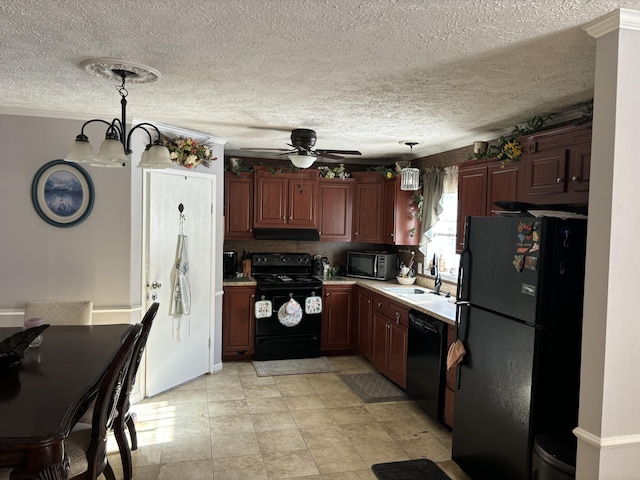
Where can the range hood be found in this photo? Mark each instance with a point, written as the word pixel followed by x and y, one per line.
pixel 296 234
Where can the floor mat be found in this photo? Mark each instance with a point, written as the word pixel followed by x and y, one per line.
pixel 296 366
pixel 374 387
pixel 409 470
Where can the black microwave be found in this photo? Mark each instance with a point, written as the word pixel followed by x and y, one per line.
pixel 372 265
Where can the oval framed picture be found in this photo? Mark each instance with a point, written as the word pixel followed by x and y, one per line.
pixel 62 193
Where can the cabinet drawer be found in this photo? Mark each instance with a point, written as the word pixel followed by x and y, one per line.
pixel 381 305
pixel 400 313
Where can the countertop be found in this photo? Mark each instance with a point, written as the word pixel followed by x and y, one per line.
pixel 441 308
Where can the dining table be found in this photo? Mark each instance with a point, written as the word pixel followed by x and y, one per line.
pixel 44 395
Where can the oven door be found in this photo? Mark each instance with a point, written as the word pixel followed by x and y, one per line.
pixel 283 323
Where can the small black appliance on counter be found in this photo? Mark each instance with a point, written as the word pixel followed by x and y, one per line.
pixel 318 264
pixel 229 264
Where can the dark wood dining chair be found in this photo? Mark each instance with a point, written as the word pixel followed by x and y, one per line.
pixel 123 401
pixel 86 445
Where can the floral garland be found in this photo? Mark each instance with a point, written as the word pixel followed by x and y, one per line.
pixel 188 152
pixel 335 172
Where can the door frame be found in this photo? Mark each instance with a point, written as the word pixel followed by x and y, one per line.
pixel 146 301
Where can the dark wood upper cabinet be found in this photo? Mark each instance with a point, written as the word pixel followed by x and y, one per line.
pixel 367 215
pixel 401 225
pixel 472 195
pixel 481 183
pixel 238 206
pixel 555 166
pixel 335 205
pixel 285 199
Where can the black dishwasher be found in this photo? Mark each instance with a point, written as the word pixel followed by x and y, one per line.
pixel 425 362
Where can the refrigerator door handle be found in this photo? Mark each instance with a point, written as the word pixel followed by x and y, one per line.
pixel 461 332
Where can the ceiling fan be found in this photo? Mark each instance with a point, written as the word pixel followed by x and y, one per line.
pixel 302 154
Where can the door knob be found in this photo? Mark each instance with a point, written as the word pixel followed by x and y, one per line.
pixel 155 285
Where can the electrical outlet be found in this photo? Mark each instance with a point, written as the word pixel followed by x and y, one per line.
pixel 419 268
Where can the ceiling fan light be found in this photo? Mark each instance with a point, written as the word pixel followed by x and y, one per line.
pixel 410 179
pixel 156 156
pixel 81 151
pixel 302 161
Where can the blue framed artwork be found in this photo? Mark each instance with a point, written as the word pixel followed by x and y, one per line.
pixel 62 193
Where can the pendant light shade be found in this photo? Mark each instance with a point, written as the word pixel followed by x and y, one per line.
pixel 81 151
pixel 112 150
pixel 155 156
pixel 410 179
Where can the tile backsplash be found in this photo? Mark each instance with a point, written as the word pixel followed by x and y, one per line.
pixel 336 252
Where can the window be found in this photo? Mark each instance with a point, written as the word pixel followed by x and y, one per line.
pixel 444 239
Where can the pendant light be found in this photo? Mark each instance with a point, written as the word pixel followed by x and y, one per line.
pixel 410 176
pixel 115 148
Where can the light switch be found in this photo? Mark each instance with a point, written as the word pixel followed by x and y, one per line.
pixel 419 268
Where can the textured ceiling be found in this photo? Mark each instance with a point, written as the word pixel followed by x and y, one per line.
pixel 365 74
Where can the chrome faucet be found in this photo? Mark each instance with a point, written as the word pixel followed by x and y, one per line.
pixel 434 271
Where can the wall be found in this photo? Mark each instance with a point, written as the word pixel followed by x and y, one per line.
pixel 41 262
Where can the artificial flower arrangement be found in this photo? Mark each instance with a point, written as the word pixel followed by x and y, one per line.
pixel 509 149
pixel 335 172
pixel 188 152
pixel 235 165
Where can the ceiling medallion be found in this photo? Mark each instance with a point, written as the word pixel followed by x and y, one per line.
pixel 112 68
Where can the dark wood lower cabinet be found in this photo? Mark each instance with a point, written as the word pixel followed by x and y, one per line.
pixel 362 320
pixel 238 322
pixel 389 340
pixel 336 318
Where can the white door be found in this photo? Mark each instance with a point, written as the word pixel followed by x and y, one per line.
pixel 178 347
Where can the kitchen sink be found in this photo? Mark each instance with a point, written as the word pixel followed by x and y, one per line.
pixel 418 294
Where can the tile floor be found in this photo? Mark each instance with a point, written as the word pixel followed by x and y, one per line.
pixel 236 425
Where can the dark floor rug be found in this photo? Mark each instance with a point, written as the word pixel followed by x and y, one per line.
pixel 409 470
pixel 374 387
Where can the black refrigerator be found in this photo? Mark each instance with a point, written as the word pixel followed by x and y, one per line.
pixel 520 320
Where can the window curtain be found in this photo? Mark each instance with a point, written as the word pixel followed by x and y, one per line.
pixel 436 181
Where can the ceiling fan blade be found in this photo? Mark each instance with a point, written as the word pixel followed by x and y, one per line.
pixel 270 149
pixel 324 154
pixel 343 152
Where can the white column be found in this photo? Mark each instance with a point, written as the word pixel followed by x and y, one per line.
pixel 609 421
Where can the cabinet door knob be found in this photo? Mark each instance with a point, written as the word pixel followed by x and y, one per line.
pixel 575 179
pixel 326 294
pixel 397 317
pixel 379 304
pixel 356 234
pixel 558 180
pixel 290 218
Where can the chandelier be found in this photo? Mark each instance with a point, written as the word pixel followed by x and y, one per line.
pixel 115 148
